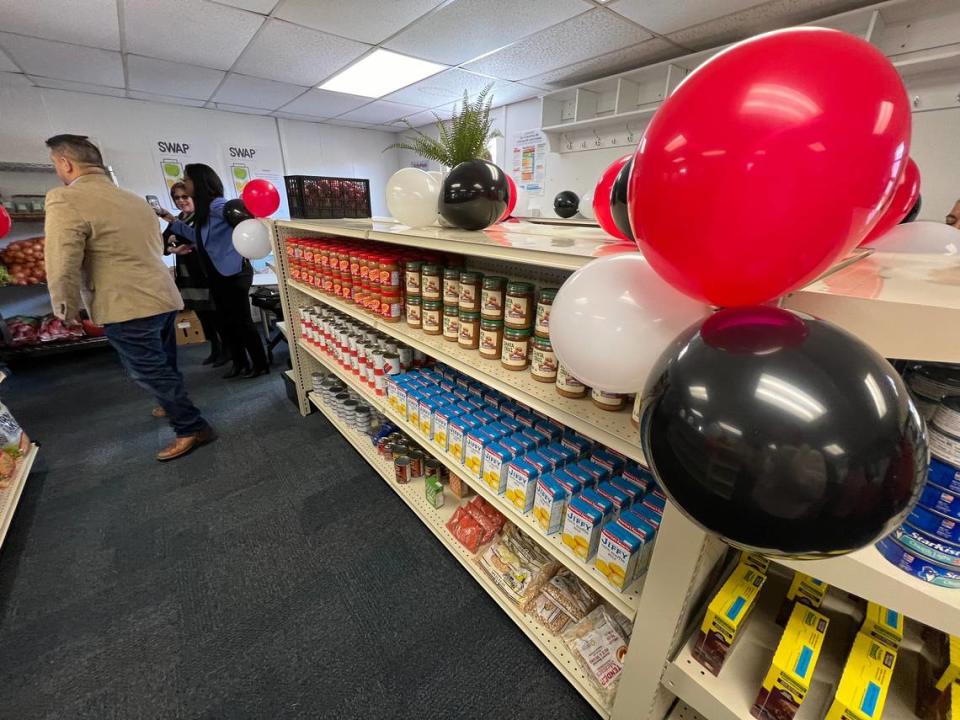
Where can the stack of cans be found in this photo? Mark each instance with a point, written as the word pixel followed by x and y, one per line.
pixel 927 545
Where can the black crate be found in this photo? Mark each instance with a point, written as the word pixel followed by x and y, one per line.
pixel 314 197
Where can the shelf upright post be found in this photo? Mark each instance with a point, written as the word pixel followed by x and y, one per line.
pixel 290 309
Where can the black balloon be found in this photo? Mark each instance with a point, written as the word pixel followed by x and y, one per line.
pixel 474 195
pixel 783 434
pixel 235 212
pixel 566 203
pixel 914 211
pixel 618 199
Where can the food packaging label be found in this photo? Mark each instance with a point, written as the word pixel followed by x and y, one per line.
pixel 549 504
pixel 726 615
pixel 581 527
pixel 862 691
pixel 521 484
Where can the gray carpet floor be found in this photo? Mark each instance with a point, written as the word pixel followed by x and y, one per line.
pixel 272 574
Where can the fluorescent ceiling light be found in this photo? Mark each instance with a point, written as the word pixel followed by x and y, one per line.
pixel 379 73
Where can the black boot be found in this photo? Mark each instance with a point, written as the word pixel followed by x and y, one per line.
pixel 236 371
pixel 216 352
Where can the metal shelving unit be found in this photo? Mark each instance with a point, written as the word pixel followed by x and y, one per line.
pixel 436 519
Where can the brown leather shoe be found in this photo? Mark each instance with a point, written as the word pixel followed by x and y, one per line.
pixel 183 445
pixel 158 412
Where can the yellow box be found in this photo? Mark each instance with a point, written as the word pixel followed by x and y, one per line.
pixel 757 562
pixel 938 669
pixel 726 615
pixel 521 484
pixel 884 625
pixel 788 680
pixel 863 687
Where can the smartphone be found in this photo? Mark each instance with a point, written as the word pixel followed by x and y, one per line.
pixel 154 203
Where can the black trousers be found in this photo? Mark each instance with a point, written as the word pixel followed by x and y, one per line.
pixel 231 294
pixel 210 322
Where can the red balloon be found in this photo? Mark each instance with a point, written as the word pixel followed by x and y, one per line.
pixel 5 222
pixel 260 197
pixel 768 163
pixel 601 199
pixel 511 198
pixel 904 198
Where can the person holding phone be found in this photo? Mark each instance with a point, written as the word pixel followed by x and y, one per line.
pixel 191 278
pixel 229 273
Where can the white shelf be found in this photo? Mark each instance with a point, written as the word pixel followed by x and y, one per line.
pixel 625 602
pixel 290 374
pixel 435 519
pixel 866 573
pixel 282 326
pixel 613 429
pixel 10 495
pixel 730 695
pixel 565 248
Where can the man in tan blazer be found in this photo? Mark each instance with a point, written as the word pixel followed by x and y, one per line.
pixel 103 244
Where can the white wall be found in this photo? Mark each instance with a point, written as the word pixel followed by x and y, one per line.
pixel 128 130
pixel 936 150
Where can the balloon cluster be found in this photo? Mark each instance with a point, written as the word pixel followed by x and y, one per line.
pixel 474 195
pixel 766 166
pixel 251 237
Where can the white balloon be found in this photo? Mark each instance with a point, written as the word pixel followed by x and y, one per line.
pixel 919 237
pixel 436 175
pixel 613 318
pixel 586 206
pixel 412 196
pixel 251 238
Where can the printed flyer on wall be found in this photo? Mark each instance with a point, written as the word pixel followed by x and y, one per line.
pixel 529 160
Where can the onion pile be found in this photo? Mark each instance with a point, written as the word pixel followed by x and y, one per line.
pixel 24 261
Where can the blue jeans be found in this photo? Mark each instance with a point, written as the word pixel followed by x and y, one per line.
pixel 148 350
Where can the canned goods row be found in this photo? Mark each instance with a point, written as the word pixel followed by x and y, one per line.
pixel 366 353
pixel 349 408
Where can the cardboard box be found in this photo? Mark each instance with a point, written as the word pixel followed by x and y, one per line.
pixel 863 687
pixel 788 680
pixel 189 331
pixel 883 625
pixel 726 615
pixel 938 669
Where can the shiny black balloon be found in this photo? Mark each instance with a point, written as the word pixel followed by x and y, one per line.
pixel 566 203
pixel 618 199
pixel 235 212
pixel 914 211
pixel 783 434
pixel 474 195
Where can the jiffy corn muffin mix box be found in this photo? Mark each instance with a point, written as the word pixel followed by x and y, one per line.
pixel 549 504
pixel 457 433
pixel 521 484
pixel 441 421
pixel 494 466
pixel 619 554
pixel 476 442
pixel 581 527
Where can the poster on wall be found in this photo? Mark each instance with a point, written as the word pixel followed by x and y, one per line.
pixel 529 160
pixel 247 162
pixel 171 156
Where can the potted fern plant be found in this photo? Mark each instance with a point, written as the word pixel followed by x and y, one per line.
pixel 474 192
pixel 463 138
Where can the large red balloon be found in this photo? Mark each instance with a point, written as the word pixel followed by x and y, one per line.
pixel 904 198
pixel 260 197
pixel 768 163
pixel 601 199
pixel 511 200
pixel 5 222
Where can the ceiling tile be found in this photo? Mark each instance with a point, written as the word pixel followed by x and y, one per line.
pixel 8 80
pixel 378 112
pixel 227 107
pixel 440 88
pixel 296 116
pixel 580 38
pixel 6 64
pixel 645 53
pixel 258 6
pixel 346 123
pixel 168 99
pixel 466 29
pixel 762 18
pixel 196 33
pixel 666 16
pixel 369 21
pixel 77 86
pixel 293 54
pixel 256 92
pixel 428 117
pixel 511 92
pixel 323 103
pixel 169 78
pixel 64 62
pixel 82 22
